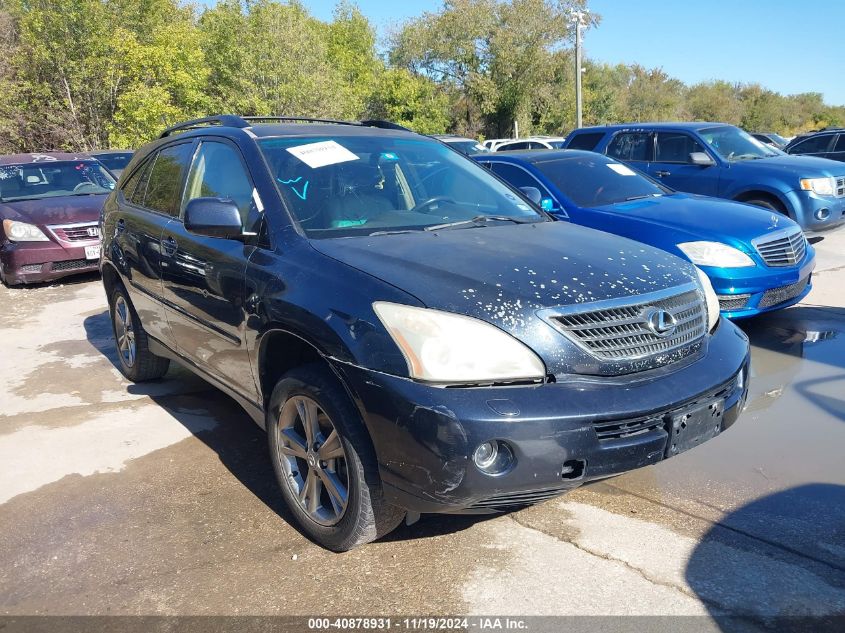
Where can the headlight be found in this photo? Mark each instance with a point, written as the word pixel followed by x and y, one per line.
pixel 451 348
pixel 821 186
pixel 23 232
pixel 715 254
pixel 711 300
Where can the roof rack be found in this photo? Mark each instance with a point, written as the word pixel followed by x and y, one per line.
pixel 232 120
pixel 228 120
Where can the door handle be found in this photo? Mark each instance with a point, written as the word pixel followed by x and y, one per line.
pixel 661 173
pixel 169 246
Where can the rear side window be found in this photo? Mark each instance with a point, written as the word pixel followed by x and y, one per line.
pixel 630 146
pixel 136 187
pixel 840 144
pixel 165 180
pixel 510 146
pixel 586 141
pixel 675 147
pixel 219 172
pixel 812 145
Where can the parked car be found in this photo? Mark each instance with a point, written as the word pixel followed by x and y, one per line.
pixel 828 143
pixel 756 260
pixel 715 159
pixel 50 209
pixel 491 143
pixel 413 334
pixel 531 142
pixel 115 160
pixel 464 145
pixel 770 138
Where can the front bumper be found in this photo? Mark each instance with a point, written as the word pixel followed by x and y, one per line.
pixel 424 436
pixel 36 262
pixel 806 204
pixel 747 292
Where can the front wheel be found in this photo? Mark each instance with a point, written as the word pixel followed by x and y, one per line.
pixel 324 461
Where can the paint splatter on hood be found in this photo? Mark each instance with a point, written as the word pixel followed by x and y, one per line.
pixel 498 273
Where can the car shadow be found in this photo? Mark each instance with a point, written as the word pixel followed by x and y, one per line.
pixel 777 563
pixel 240 445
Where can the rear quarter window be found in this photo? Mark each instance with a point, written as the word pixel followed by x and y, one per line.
pixel 586 141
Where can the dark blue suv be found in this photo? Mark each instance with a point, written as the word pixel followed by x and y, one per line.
pixel 414 335
pixel 715 159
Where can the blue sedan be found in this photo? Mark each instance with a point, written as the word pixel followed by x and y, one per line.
pixel 757 260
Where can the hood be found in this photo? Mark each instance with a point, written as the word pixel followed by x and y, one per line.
pixel 58 210
pixel 800 166
pixel 504 274
pixel 690 217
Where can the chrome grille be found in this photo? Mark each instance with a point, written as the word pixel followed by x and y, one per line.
pixel 622 332
pixel 733 302
pixel 783 248
pixel 774 296
pixel 840 187
pixel 77 232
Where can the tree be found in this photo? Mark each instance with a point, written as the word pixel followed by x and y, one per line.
pixel 410 100
pixel 714 101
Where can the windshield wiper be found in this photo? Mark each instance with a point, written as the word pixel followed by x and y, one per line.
pixel 647 195
pixel 479 220
pixel 394 232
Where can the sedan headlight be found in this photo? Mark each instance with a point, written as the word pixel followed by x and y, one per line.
pixel 715 254
pixel 23 232
pixel 820 186
pixel 710 299
pixel 450 348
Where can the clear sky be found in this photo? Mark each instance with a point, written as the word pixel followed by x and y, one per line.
pixel 786 45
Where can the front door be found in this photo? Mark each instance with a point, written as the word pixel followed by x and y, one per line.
pixel 672 165
pixel 203 277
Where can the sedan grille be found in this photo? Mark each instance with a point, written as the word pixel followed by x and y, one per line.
pixel 77 232
pixel 729 303
pixel 784 248
pixel 74 264
pixel 508 500
pixel 627 332
pixel 774 296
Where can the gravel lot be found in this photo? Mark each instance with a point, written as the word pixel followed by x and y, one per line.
pixel 160 499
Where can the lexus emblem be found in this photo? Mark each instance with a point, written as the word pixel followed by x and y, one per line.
pixel 661 322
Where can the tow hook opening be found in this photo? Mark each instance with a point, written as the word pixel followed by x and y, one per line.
pixel 573 469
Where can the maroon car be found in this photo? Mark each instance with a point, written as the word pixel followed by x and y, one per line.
pixel 50 209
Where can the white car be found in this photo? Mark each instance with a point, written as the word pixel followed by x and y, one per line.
pixel 531 142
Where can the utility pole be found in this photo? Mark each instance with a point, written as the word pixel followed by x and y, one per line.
pixel 579 18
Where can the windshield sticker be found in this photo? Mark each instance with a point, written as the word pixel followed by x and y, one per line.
pixel 302 192
pixel 321 154
pixel 621 169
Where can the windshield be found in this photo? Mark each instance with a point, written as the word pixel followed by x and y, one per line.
pixel 594 181
pixel 50 179
pixel 731 143
pixel 468 147
pixel 360 185
pixel 116 161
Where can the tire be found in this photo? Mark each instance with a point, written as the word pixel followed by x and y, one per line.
pixel 313 392
pixel 134 358
pixel 766 204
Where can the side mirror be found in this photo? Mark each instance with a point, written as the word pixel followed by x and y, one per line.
pixel 702 159
pixel 213 217
pixel 532 193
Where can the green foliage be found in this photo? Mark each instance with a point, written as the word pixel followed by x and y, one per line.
pixel 85 74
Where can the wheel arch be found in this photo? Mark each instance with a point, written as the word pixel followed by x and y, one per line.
pixel 770 195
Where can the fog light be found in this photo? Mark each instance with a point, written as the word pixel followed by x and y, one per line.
pixel 493 457
pixel 822 214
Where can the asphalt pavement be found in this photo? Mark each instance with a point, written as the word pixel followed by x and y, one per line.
pixel 160 498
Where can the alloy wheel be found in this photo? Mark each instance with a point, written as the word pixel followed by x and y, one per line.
pixel 312 455
pixel 124 332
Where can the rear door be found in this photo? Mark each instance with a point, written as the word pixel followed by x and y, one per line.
pixel 203 278
pixel 635 147
pixel 817 145
pixel 672 165
pixel 838 152
pixel 138 228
